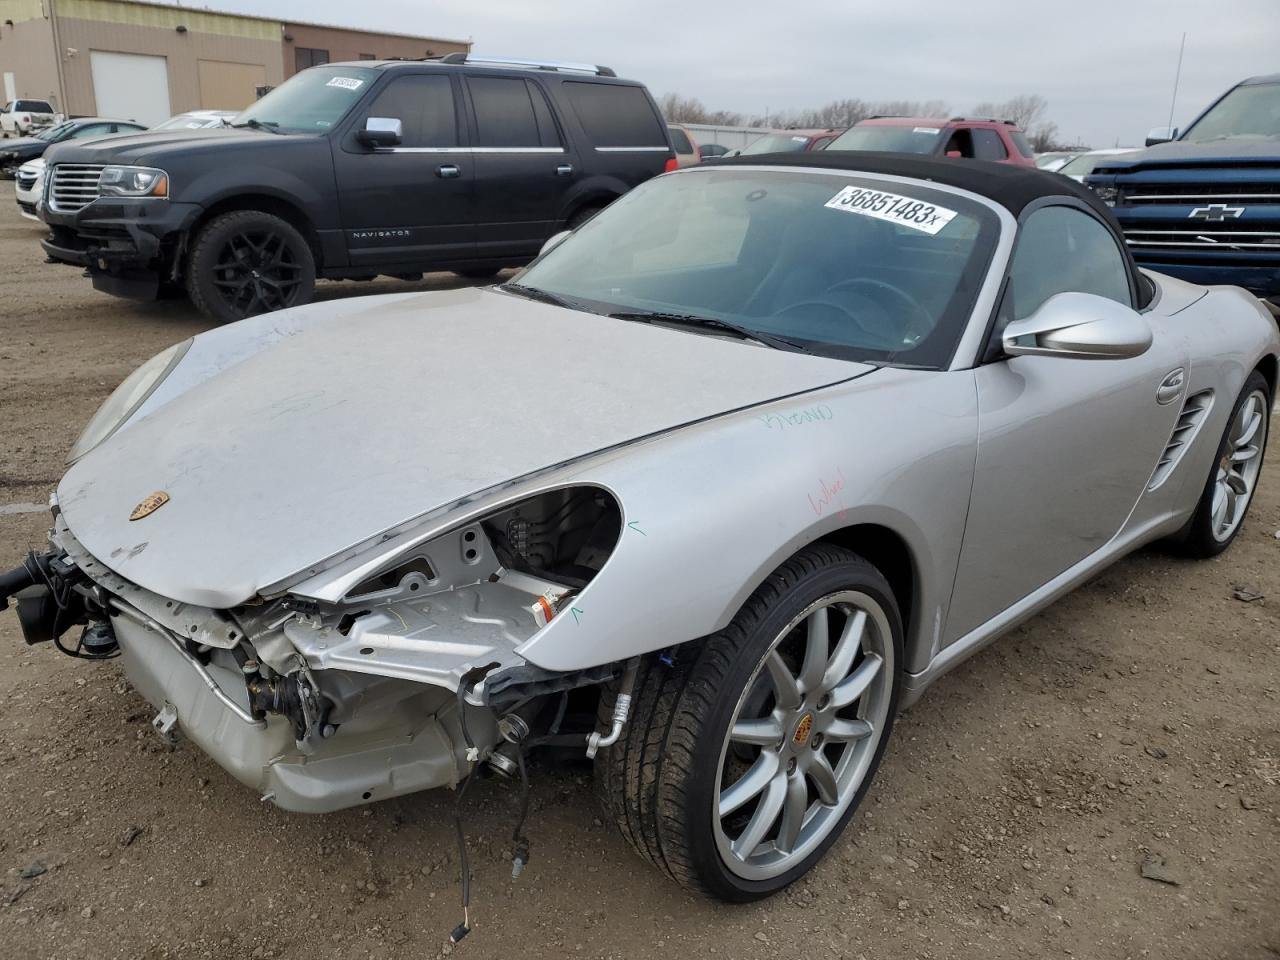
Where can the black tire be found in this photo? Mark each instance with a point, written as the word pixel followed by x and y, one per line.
pixel 582 215
pixel 1197 538
pixel 478 273
pixel 658 782
pixel 247 262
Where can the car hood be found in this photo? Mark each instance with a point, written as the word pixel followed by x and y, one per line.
pixel 24 145
pixel 150 148
pixel 345 420
pixel 1243 150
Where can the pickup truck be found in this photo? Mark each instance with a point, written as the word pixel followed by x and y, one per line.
pixel 1205 205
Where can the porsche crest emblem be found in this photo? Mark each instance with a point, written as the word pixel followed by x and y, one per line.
pixel 150 505
pixel 802 730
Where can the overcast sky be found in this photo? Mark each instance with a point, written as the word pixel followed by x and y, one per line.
pixel 1106 68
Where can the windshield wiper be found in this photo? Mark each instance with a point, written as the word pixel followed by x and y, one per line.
pixel 257 124
pixel 709 323
pixel 540 295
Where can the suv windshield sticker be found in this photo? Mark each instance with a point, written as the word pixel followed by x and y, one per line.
pixel 934 130
pixel 799 139
pixel 346 83
pixel 882 205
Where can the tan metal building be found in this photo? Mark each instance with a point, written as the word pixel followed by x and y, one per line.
pixel 147 61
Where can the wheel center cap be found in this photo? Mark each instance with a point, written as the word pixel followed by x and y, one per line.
pixel 256 275
pixel 803 729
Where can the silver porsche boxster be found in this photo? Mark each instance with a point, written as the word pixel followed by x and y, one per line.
pixel 710 491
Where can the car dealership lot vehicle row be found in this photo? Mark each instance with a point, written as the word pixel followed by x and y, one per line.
pixel 901 421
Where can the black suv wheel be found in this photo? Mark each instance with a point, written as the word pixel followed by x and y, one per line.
pixel 247 262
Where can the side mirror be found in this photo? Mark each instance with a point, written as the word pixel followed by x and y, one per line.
pixel 554 241
pixel 954 154
pixel 1080 325
pixel 381 132
pixel 1161 135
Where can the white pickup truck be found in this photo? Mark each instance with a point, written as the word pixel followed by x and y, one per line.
pixel 23 117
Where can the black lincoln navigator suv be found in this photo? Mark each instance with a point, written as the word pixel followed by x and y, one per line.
pixel 353 170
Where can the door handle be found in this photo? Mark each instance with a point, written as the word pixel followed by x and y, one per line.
pixel 1171 387
pixel 564 170
pixel 448 171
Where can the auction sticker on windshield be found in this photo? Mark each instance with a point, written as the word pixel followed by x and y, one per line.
pixel 346 83
pixel 916 214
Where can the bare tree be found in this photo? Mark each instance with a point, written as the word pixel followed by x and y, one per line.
pixel 1028 112
pixel 678 109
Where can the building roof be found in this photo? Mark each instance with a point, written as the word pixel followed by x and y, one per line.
pixel 190 8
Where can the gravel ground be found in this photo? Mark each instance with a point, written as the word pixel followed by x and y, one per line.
pixel 1138 719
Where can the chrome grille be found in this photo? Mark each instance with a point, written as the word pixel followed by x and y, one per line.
pixel 1198 193
pixel 74 185
pixel 1191 238
pixel 1189 421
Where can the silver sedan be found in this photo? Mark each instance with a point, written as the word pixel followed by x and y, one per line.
pixel 739 468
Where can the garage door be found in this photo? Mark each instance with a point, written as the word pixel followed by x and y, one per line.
pixel 229 86
pixel 130 86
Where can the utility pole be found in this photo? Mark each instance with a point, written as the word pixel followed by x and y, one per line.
pixel 1177 75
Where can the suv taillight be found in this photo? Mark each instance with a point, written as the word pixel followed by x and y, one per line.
pixel 672 164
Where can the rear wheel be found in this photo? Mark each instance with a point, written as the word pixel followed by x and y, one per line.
pixel 248 262
pixel 747 755
pixel 1234 477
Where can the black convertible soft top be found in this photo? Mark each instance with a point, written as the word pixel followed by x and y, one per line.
pixel 1012 187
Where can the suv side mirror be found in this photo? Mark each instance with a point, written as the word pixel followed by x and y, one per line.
pixel 1161 135
pixel 381 132
pixel 1081 325
pixel 954 154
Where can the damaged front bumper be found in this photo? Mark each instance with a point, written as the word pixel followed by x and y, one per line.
pixel 399 688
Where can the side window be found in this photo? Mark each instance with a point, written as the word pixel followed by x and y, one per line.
pixel 1063 250
pixel 1019 141
pixel 959 142
pixel 615 114
pixel 680 140
pixel 548 132
pixel 504 112
pixel 987 145
pixel 424 106
pixel 92 130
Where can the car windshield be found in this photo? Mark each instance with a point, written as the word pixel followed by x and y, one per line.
pixel 188 121
pixel 777 143
pixel 1085 163
pixel 56 132
pixel 899 139
pixel 844 266
pixel 309 102
pixel 1248 111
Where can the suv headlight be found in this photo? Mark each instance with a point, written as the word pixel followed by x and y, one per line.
pixel 127 398
pixel 133 182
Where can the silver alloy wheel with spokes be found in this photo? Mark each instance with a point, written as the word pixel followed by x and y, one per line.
pixel 1238 469
pixel 803 735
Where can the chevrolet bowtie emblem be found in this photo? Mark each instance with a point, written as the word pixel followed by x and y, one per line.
pixel 149 505
pixel 1216 211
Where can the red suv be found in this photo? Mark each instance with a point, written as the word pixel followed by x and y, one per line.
pixel 978 139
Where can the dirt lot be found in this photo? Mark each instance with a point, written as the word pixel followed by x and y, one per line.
pixel 1140 717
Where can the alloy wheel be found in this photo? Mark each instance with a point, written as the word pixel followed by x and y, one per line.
pixel 804 735
pixel 256 272
pixel 1238 469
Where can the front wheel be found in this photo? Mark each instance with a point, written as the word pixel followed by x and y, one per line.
pixel 746 756
pixel 1234 477
pixel 248 262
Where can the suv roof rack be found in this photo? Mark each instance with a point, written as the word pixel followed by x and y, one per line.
pixel 535 64
pixel 983 120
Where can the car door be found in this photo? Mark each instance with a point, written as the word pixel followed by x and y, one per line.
pixel 408 205
pixel 1066 446
pixel 525 166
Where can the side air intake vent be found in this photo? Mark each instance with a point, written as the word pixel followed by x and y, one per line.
pixel 1189 422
